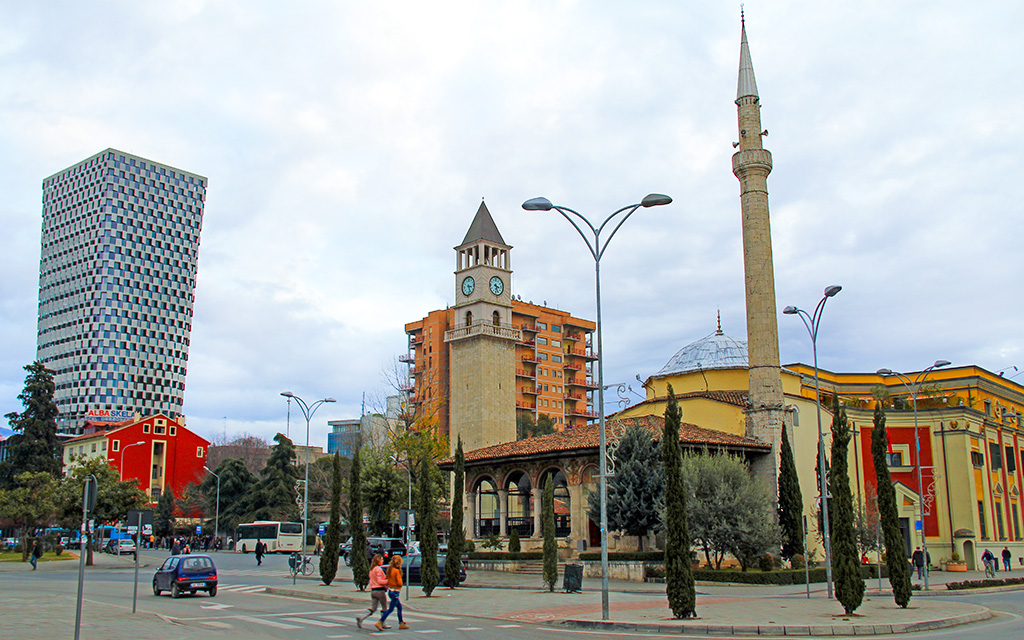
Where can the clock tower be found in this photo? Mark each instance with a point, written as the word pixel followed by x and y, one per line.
pixel 482 340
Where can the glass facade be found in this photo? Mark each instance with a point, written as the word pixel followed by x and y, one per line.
pixel 117 274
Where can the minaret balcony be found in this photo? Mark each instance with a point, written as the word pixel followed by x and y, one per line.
pixel 752 160
pixel 483 329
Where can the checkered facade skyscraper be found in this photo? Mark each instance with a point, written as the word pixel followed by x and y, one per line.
pixel 117 273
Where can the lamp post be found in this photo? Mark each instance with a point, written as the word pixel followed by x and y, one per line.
pixel 597 251
pixel 216 521
pixel 121 469
pixel 812 322
pixel 307 412
pixel 905 381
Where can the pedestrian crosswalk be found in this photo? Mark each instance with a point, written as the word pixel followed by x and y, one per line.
pixel 335 619
pixel 251 572
pixel 243 588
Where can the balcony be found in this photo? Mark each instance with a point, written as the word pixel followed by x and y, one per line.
pixel 527 343
pixel 482 328
pixel 586 383
pixel 573 367
pixel 582 412
pixel 415 338
pixel 530 358
pixel 525 405
pixel 407 358
pixel 530 327
pixel 586 354
pixel 573 335
pixel 406 386
pixel 574 397
pixel 530 391
pixel 523 373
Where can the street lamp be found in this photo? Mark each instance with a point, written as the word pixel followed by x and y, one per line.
pixel 122 456
pixel 812 322
pixel 905 381
pixel 216 521
pixel 307 412
pixel 597 250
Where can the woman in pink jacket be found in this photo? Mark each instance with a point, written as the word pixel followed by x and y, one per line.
pixel 378 588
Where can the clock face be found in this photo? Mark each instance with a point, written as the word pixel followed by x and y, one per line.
pixel 497 286
pixel 468 285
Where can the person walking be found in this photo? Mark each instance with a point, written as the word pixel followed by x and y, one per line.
pixel 37 552
pixel 378 589
pixel 989 559
pixel 394 591
pixel 260 550
pixel 918 559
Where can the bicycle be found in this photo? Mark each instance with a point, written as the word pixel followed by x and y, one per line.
pixel 298 563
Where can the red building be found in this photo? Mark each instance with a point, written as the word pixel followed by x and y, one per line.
pixel 157 451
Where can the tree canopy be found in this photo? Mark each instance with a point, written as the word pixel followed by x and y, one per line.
pixel 276 490
pixel 637 487
pixel 34 445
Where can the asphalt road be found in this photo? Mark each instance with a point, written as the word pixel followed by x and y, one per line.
pixel 41 605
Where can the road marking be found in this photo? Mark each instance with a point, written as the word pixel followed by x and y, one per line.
pixel 215 606
pixel 342 636
pixel 215 624
pixel 315 623
pixel 428 631
pixel 508 626
pixel 469 628
pixel 433 616
pixel 269 623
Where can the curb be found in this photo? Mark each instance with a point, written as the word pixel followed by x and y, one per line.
pixel 779 629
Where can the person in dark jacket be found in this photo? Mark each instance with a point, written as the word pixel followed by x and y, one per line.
pixel 37 552
pixel 1006 558
pixel 260 550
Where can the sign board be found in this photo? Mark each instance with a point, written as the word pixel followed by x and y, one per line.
pixel 917 525
pixel 132 520
pixel 322 529
pixel 407 518
pixel 132 529
pixel 109 415
pixel 147 529
pixel 199 529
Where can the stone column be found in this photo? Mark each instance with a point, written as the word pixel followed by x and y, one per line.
pixel 536 501
pixel 502 512
pixel 470 524
pixel 577 513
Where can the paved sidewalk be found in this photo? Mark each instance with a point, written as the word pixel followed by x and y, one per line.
pixel 100 561
pixel 723 609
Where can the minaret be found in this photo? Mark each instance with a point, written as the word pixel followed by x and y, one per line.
pixel 751 165
pixel 482 340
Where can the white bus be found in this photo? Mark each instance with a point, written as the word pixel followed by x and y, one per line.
pixel 280 537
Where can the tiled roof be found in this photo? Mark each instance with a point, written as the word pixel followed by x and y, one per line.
pixel 483 228
pixel 585 440
pixel 735 398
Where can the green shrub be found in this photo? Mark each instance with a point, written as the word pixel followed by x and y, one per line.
pixel 469 547
pixel 627 556
pixel 505 555
pixel 513 542
pixel 798 561
pixel 955 557
pixel 978 584
pixel 59 549
pixel 654 571
pixel 493 542
pixel 765 562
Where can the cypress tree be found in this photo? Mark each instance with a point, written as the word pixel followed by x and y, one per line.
pixel 276 490
pixel 547 519
pixel 514 546
pixel 360 563
pixel 679 586
pixel 846 560
pixel 457 538
pixel 332 539
pixel 163 519
pixel 429 574
pixel 895 556
pixel 34 446
pixel 791 502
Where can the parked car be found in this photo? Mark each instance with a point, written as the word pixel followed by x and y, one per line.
pixel 124 546
pixel 386 547
pixel 415 560
pixel 186 574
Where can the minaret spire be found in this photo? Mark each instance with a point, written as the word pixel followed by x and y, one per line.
pixel 751 164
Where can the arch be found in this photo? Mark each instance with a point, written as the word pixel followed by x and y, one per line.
pixel 588 484
pixel 520 503
pixel 469 318
pixel 488 507
pixel 496 318
pixel 563 501
pixel 968 555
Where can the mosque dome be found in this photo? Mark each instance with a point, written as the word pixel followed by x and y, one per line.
pixel 715 351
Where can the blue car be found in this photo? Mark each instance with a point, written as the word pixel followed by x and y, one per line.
pixel 186 574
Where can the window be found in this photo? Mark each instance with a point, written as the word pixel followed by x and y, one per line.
pixel 542 356
pixel 114 446
pixel 1016 521
pixel 542 326
pixel 981 519
pixel 977 458
pixel 199 452
pixel 174 430
pixel 895 459
pixel 999 521
pixel 145 428
pixel 94 447
pixel 1011 460
pixel 556 328
pixel 542 340
pixel 556 358
pixel 995 456
pixel 159 429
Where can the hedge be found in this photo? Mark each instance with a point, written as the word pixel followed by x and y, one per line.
pixel 505 555
pixel 988 582
pixel 635 556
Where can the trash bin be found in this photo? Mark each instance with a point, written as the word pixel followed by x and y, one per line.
pixel 572 579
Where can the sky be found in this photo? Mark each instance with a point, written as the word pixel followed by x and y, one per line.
pixel 349 144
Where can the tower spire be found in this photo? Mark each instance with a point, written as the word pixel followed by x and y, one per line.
pixel 747 85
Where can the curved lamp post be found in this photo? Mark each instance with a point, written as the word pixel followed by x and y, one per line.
pixel 216 521
pixel 597 250
pixel 812 322
pixel 913 388
pixel 307 412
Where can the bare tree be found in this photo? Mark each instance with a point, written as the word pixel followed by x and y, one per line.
pixel 250 449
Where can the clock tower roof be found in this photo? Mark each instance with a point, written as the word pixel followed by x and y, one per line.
pixel 483 228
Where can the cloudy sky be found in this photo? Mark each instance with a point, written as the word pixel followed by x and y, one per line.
pixel 348 145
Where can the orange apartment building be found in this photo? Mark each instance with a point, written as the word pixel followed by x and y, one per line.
pixel 554 358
